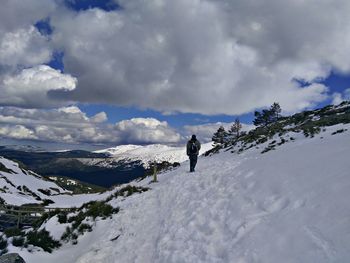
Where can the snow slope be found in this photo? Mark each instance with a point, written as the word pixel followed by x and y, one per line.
pixel 146 154
pixel 286 205
pixel 15 181
pixel 13 185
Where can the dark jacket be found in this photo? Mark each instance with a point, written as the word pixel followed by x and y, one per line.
pixel 198 144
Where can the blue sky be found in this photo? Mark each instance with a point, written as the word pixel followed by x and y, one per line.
pixel 94 72
pixel 79 5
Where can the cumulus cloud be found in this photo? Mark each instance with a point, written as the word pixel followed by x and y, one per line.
pixel 71 125
pixel 24 81
pixel 16 14
pixel 99 117
pixel 31 86
pixel 25 47
pixel 204 132
pixel 67 124
pixel 146 130
pixel 17 132
pixel 205 56
pixel 208 57
pixel 338 97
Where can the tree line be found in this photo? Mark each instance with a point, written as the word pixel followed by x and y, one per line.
pixel 262 119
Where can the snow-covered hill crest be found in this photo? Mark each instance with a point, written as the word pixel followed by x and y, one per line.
pixel 145 154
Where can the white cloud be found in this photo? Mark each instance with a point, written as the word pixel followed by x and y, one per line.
pixel 16 14
pixel 25 47
pixel 67 124
pixel 146 130
pixel 17 132
pixel 338 97
pixel 22 50
pixel 72 110
pixel 100 117
pixel 208 57
pixel 30 87
pixel 71 125
pixel 205 56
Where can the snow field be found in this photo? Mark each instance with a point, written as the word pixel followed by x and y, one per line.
pixel 287 205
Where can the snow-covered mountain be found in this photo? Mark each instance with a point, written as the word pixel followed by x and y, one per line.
pixel 144 154
pixel 283 198
pixel 19 186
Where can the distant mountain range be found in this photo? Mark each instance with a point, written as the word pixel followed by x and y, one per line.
pixel 24 148
pixel 105 168
pixel 155 153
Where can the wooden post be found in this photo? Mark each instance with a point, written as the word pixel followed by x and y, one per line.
pixel 155 173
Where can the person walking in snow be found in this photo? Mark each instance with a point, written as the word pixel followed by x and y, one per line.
pixel 193 147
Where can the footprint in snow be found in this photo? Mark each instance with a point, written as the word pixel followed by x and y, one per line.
pixel 274 204
pixel 243 229
pixel 325 245
pixel 298 204
pixel 248 175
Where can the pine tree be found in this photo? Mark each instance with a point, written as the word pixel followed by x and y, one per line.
pixel 266 117
pixel 220 136
pixel 262 118
pixel 275 111
pixel 235 129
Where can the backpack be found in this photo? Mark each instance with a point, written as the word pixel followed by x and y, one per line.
pixel 193 148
